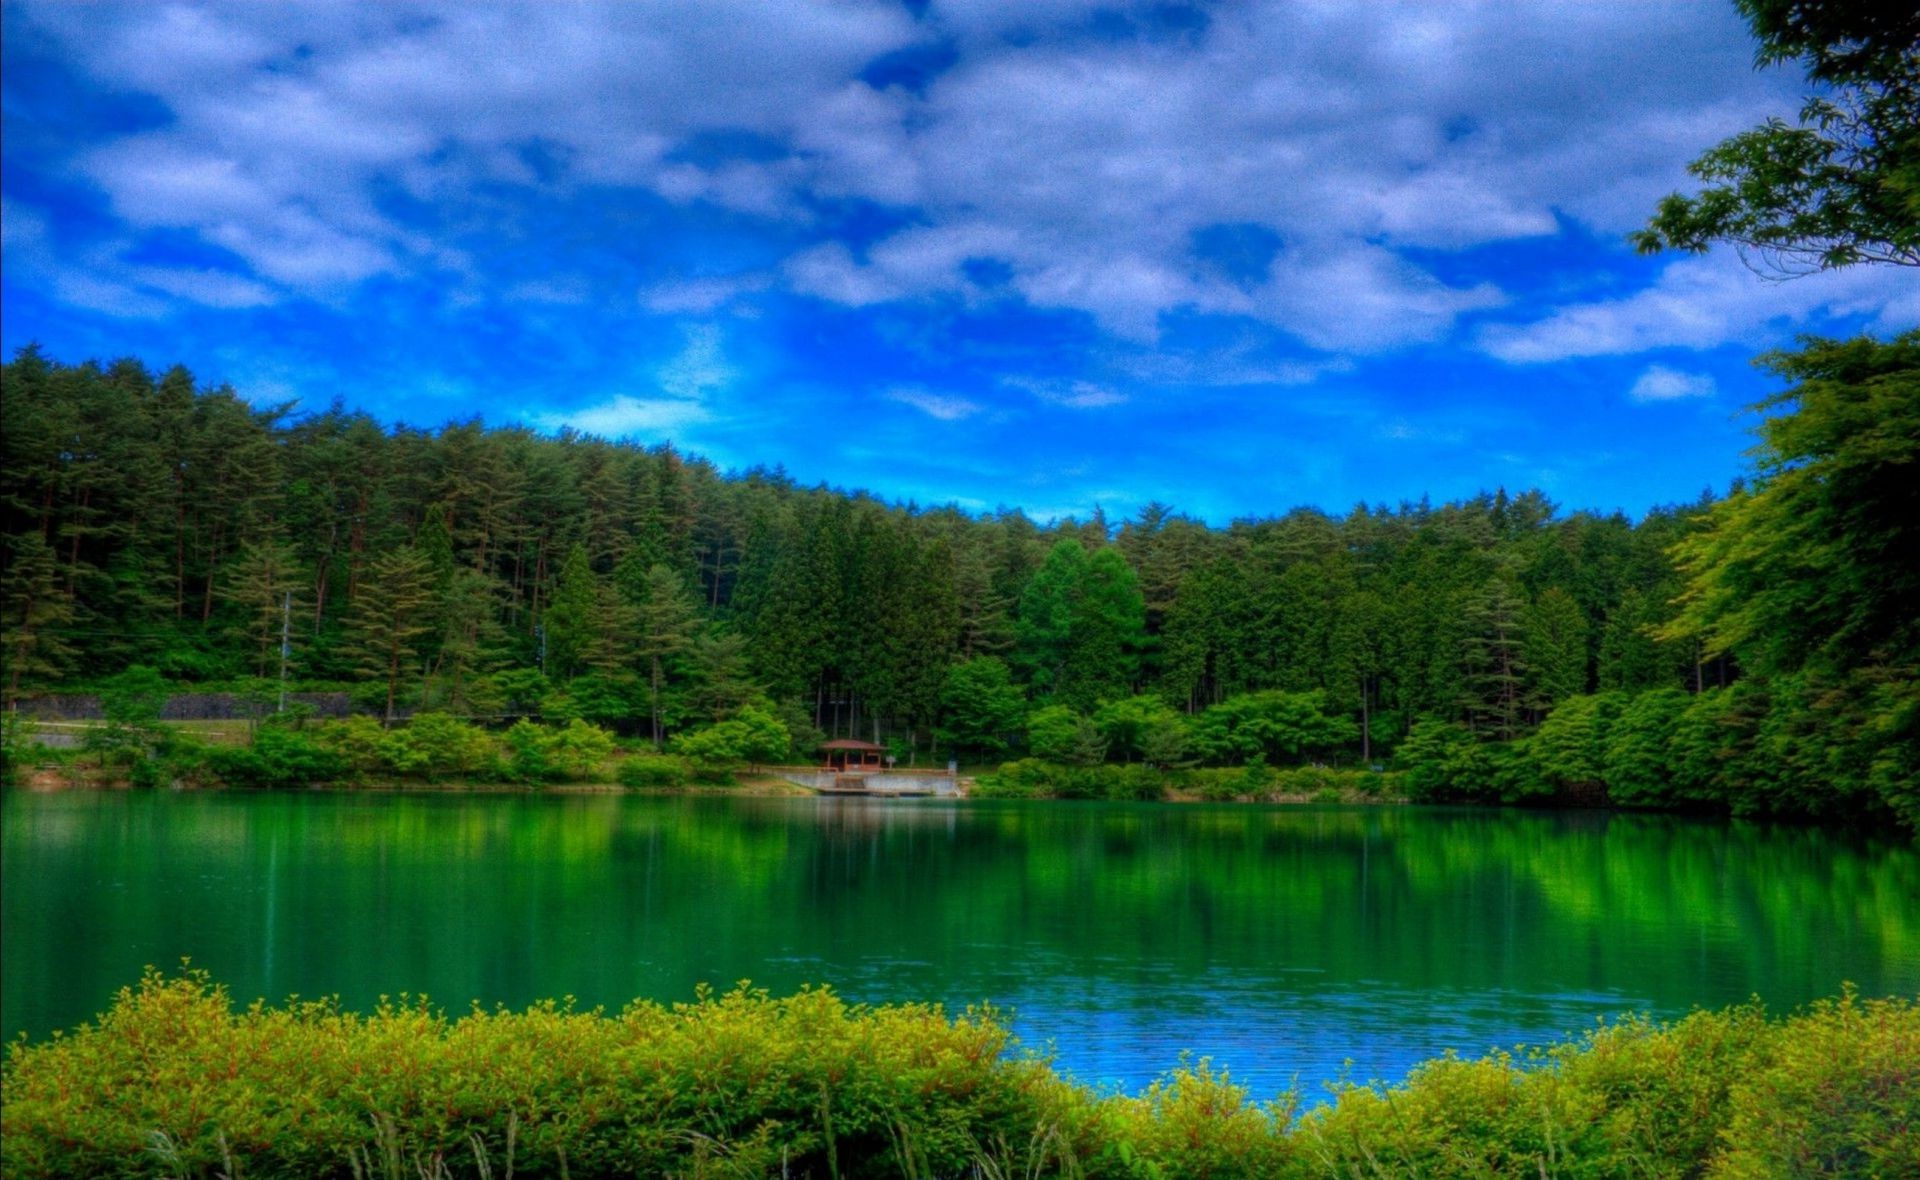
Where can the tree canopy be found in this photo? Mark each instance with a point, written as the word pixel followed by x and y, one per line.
pixel 1842 184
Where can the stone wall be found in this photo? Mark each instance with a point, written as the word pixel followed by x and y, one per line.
pixel 182 706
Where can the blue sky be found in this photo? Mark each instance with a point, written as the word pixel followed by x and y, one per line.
pixel 1042 254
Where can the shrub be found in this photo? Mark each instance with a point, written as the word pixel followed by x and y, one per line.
pixel 171 1081
pixel 277 758
pixel 576 750
pixel 752 735
pixel 437 744
pixel 652 770
pixel 1134 783
pixel 1217 785
pixel 360 740
pixel 527 760
pixel 1840 1097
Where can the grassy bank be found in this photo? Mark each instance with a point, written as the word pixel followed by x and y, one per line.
pixel 172 1082
pixel 1035 778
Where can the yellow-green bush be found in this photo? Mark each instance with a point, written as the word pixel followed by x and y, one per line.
pixel 172 1082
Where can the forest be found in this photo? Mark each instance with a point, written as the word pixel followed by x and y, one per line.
pixel 1752 653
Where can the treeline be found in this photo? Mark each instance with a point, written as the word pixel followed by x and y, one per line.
pixel 496 573
pixel 172 1081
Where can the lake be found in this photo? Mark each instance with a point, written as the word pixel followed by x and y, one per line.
pixel 1289 944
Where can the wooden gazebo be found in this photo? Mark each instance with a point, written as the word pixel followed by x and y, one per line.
pixel 852 755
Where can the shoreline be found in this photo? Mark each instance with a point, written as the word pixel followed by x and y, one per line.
pixel 48 782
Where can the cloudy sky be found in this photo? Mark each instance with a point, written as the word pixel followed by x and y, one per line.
pixel 1033 253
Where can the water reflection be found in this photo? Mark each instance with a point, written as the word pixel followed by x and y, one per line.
pixel 1280 942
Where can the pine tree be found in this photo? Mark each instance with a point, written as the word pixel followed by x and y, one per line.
pixel 391 617
pixel 1493 667
pixel 38 614
pixel 267 586
pixel 569 620
pixel 1556 648
pixel 1043 629
pixel 1106 632
pixel 666 621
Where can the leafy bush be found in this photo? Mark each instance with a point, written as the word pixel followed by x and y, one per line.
pixel 433 745
pixel 171 1081
pixel 652 770
pixel 576 750
pixel 526 760
pixel 1443 762
pixel 1037 778
pixel 277 758
pixel 1060 733
pixel 752 735
pixel 1136 783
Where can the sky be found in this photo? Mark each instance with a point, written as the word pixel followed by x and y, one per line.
pixel 1025 253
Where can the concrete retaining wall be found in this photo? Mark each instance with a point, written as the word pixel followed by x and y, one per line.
pixel 938 782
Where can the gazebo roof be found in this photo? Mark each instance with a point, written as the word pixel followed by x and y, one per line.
pixel 851 744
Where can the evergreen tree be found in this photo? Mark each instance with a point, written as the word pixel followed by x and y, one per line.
pixel 39 616
pixel 666 622
pixel 391 617
pixel 571 618
pixel 1493 666
pixel 267 585
pixel 1556 648
pixel 1106 631
pixel 1043 628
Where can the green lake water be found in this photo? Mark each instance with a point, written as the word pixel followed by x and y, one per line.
pixel 1281 942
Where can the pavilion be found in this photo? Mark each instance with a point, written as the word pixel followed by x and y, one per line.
pixel 850 755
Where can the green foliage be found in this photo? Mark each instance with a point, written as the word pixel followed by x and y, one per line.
pixel 1061 733
pixel 520 690
pixel 277 757
pixel 754 735
pixel 526 760
pixel 1277 726
pixel 652 771
pixel 1843 186
pixel 1037 778
pixel 172 1080
pixel 1081 625
pixel 1570 746
pixel 1819 563
pixel 1556 648
pixel 390 620
pixel 1442 761
pixel 149 522
pixel 130 703
pixel 1838 1097
pixel 605 698
pixel 1131 725
pixel 1639 759
pixel 436 745
pixel 980 706
pixel 576 750
pixel 38 616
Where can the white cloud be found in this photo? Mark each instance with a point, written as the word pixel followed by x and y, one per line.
pixel 946 407
pixel 700 368
pixel 1661 384
pixel 623 415
pixel 210 288
pixel 687 383
pixel 700 296
pixel 1702 303
pixel 327 145
pixel 1075 394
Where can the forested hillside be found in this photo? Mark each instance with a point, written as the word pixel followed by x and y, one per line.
pixel 495 572
pixel 154 521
